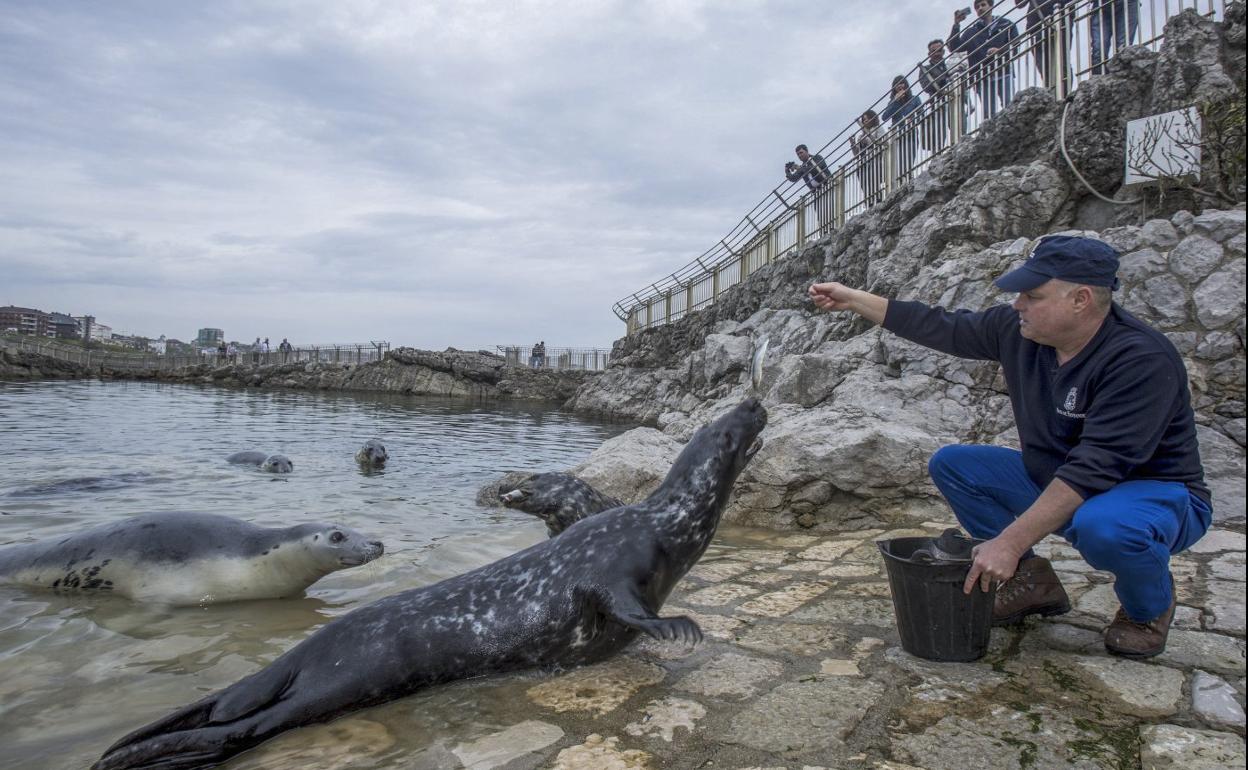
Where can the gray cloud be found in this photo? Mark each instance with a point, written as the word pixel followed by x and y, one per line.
pixel 466 173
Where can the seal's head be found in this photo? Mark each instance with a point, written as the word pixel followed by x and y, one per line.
pixel 372 455
pixel 558 499
pixel 717 453
pixel 335 547
pixel 277 464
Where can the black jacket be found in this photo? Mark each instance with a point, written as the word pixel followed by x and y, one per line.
pixel 1118 411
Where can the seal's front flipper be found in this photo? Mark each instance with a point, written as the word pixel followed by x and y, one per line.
pixel 679 628
pixel 628 610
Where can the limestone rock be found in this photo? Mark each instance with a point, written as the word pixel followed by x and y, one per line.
pixel 630 466
pixel 1215 702
pixel 1163 747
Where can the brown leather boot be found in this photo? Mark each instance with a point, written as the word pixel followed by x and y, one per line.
pixel 1129 639
pixel 1034 590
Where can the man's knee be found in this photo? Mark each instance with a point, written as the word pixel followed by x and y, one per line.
pixel 1104 535
pixel 946 461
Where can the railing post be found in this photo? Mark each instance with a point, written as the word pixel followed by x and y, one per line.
pixel 1057 53
pixel 838 199
pixel 715 283
pixel 649 313
pixel 769 253
pixel 689 298
pixel 957 111
pixel 890 164
pixel 667 307
pixel 800 211
pixel 743 266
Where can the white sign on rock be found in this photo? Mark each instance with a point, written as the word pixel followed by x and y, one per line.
pixel 1165 146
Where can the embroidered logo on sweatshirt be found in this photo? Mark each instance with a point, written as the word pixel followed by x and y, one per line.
pixel 1069 405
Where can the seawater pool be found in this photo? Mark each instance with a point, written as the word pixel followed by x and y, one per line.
pixel 77 672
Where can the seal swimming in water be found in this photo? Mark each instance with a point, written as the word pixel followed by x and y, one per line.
pixel 88 484
pixel 559 499
pixel 187 558
pixel 573 599
pixel 372 455
pixel 265 462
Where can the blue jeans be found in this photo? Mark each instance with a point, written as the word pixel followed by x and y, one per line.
pixel 1130 530
pixel 1113 22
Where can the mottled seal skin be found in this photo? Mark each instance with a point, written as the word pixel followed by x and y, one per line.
pixel 559 499
pixel 88 484
pixel 372 455
pixel 265 462
pixel 187 558
pixel 572 599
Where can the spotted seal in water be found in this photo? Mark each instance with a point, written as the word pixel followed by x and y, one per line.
pixel 559 499
pixel 88 484
pixel 372 455
pixel 187 558
pixel 265 462
pixel 573 599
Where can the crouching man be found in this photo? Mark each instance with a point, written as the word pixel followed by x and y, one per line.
pixel 1109 457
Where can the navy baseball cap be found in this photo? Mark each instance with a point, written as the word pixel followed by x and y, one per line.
pixel 1068 258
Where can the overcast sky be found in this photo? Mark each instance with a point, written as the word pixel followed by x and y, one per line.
pixel 434 174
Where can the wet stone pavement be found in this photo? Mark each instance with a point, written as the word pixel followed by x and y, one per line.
pixel 801 669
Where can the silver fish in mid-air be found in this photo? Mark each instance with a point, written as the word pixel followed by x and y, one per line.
pixel 756 361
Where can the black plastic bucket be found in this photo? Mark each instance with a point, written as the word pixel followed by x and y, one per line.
pixel 935 619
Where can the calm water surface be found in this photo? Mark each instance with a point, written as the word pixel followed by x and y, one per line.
pixel 76 672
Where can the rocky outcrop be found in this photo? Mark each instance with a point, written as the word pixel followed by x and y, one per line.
pixel 856 412
pixel 453 373
pixel 22 365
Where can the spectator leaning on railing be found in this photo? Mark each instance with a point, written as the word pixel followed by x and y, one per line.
pixel 987 42
pixel 902 103
pixel 813 170
pixel 866 148
pixel 934 80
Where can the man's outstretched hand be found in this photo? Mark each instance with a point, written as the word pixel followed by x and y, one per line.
pixel 838 296
pixel 831 295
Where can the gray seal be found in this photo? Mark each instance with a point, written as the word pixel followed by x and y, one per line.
pixel 265 462
pixel 88 484
pixel 573 599
pixel 372 455
pixel 187 558
pixel 558 499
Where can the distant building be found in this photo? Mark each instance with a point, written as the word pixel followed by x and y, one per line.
pixel 208 338
pixel 26 320
pixel 64 326
pixel 101 332
pixel 85 323
pixel 158 346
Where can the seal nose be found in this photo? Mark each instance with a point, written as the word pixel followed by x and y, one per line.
pixel 377 546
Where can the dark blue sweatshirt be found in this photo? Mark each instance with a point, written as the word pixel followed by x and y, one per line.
pixel 1118 411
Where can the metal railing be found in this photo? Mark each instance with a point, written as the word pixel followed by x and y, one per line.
pixel 589 359
pixel 96 359
pixel 1057 49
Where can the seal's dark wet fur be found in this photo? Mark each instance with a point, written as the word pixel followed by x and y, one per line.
pixel 559 499
pixel 573 599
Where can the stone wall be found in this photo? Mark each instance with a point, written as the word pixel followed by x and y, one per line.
pixel 856 412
